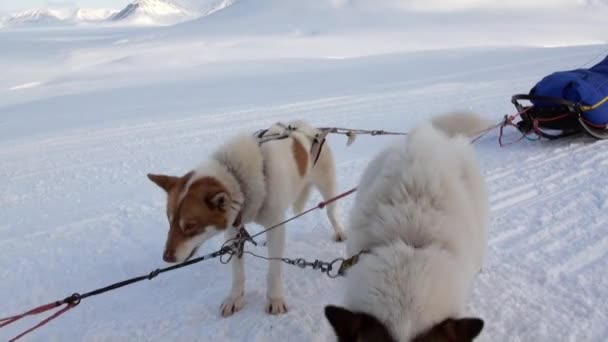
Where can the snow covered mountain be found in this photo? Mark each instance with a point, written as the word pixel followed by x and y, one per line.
pixel 152 12
pixel 56 17
pixel 167 12
pixel 139 12
pixel 92 14
pixel 37 16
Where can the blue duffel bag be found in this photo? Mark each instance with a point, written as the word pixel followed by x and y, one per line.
pixel 567 102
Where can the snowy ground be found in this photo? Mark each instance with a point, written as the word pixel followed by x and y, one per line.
pixel 86 113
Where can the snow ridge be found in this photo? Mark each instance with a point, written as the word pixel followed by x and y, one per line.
pixel 138 12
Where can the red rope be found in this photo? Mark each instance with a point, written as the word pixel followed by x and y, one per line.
pixel 535 127
pixel 43 308
pixel 508 121
pixel 537 120
pixel 553 119
pixel 339 197
pixel 44 322
pixel 38 310
pixel 483 133
pixel 594 125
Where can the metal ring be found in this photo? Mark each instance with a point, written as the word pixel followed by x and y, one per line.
pixel 331 267
pixel 74 299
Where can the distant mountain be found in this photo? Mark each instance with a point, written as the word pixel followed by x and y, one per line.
pixel 92 14
pixel 139 12
pixel 153 12
pixel 56 17
pixel 167 12
pixel 37 17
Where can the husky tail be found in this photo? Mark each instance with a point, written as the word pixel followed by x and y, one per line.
pixel 461 123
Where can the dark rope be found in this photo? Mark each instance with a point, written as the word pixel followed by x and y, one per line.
pixel 73 300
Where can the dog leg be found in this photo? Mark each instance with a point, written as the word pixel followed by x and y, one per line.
pixel 324 179
pixel 235 300
pixel 276 244
pixel 327 187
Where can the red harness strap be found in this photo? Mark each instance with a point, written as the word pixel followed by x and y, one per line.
pixel 69 303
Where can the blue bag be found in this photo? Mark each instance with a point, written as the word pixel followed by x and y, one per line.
pixel 567 102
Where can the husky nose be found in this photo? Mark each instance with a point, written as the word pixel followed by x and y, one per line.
pixel 169 257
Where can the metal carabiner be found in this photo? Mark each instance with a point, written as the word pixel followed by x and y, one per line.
pixel 330 267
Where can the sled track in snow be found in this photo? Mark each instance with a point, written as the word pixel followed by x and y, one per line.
pixel 549 224
pixel 550 201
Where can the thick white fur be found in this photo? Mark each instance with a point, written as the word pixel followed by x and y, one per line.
pixel 264 182
pixel 422 210
pixel 461 123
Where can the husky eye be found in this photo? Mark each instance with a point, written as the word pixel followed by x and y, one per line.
pixel 190 226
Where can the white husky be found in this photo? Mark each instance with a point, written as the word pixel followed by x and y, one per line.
pixel 421 211
pixel 248 181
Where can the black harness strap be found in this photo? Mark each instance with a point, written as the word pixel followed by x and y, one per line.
pixel 317 145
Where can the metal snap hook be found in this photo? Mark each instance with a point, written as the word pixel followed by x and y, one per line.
pixel 331 267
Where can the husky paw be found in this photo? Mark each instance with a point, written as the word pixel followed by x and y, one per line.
pixel 340 237
pixel 232 304
pixel 276 306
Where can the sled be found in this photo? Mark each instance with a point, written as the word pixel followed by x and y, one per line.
pixel 566 103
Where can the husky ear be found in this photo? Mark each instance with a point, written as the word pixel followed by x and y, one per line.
pixel 357 326
pixel 345 323
pixel 457 330
pixel 163 181
pixel 219 201
pixel 465 329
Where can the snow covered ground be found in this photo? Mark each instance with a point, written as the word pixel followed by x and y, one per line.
pixel 85 113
